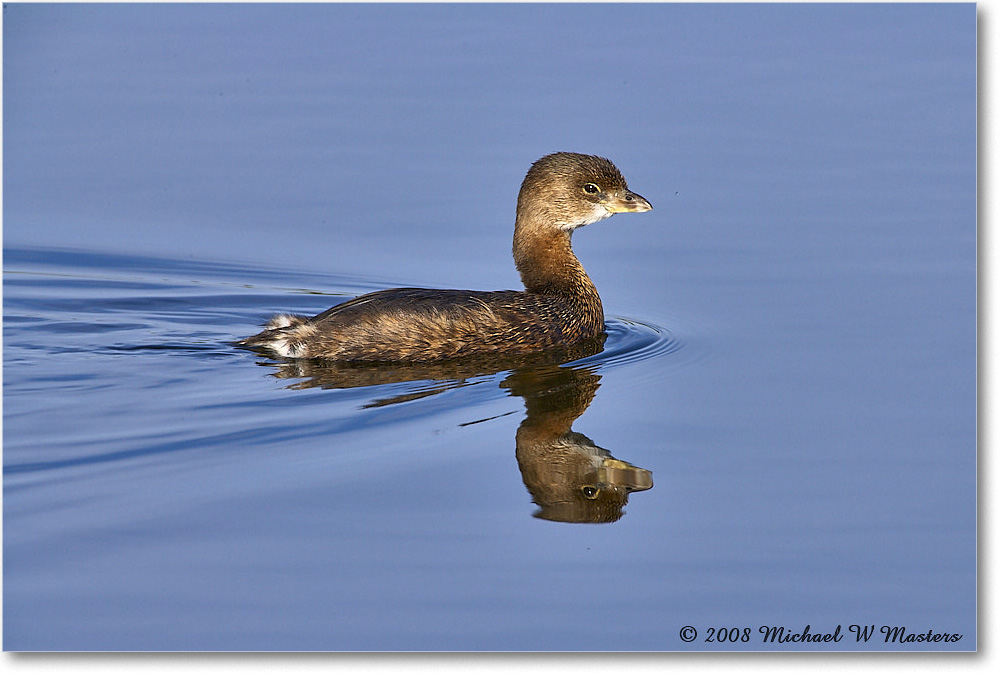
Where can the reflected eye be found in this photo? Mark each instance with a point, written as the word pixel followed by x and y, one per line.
pixel 590 492
pixel 591 188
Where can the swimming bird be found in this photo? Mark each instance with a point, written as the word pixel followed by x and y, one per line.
pixel 558 308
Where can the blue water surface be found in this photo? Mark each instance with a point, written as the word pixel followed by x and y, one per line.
pixel 788 386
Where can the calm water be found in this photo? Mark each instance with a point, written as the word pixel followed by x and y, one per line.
pixel 783 415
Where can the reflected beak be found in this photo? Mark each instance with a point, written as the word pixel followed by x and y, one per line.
pixel 622 474
pixel 628 202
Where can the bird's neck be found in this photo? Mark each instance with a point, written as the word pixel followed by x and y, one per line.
pixel 544 257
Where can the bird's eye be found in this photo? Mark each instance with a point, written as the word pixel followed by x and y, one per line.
pixel 591 189
pixel 590 491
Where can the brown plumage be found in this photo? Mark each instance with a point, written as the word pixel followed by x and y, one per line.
pixel 558 308
pixel 570 478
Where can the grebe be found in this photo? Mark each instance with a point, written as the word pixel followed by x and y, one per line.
pixel 558 307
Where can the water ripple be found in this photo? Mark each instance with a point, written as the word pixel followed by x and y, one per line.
pixel 632 340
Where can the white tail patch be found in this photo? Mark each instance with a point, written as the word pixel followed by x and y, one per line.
pixel 291 341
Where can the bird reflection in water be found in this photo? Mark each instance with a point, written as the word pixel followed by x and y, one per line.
pixel 569 477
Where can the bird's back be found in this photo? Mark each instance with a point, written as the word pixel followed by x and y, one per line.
pixel 414 325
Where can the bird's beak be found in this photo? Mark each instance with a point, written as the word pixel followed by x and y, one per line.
pixel 627 201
